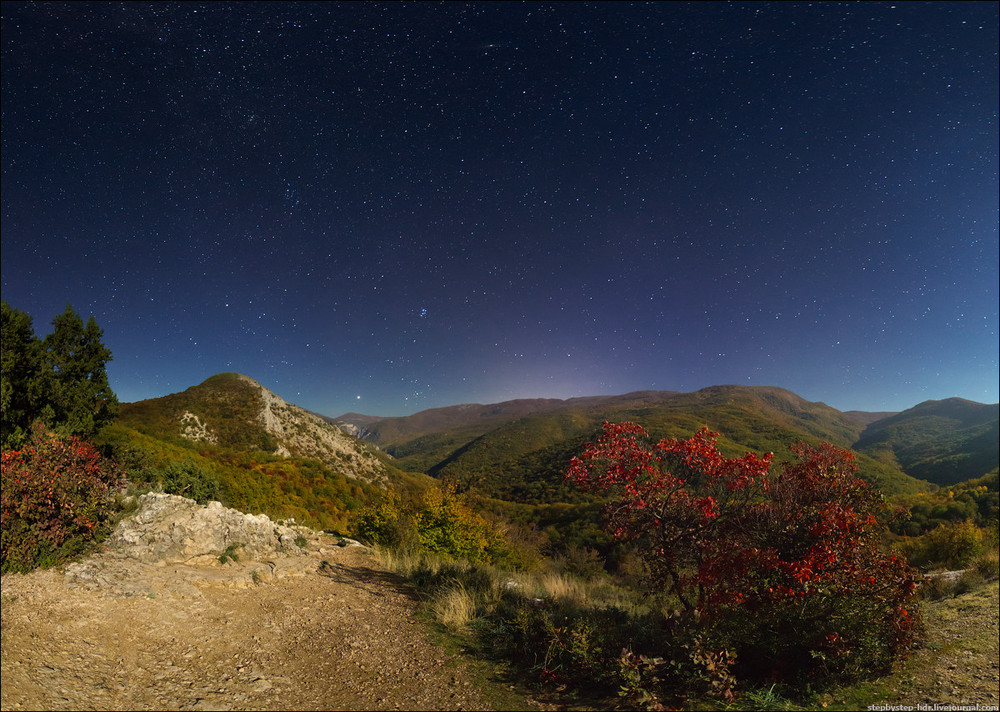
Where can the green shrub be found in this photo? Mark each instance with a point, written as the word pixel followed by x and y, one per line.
pixel 439 523
pixel 968 581
pixel 188 479
pixel 230 554
pixel 58 495
pixel 935 588
pixel 988 565
pixel 953 545
pixel 386 524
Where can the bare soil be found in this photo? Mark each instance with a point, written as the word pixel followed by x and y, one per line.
pixel 331 630
pixel 326 630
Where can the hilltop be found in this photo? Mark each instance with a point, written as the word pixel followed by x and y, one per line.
pixel 233 411
pixel 268 455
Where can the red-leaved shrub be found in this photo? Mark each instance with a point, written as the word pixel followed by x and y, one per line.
pixel 57 495
pixel 785 573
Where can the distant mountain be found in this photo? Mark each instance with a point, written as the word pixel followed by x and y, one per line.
pixel 423 439
pixel 478 417
pixel 518 450
pixel 866 418
pixel 942 441
pixel 233 411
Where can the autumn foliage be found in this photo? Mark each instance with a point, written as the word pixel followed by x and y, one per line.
pixel 779 576
pixel 439 523
pixel 57 495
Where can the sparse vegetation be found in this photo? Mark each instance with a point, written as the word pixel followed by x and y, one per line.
pixel 230 554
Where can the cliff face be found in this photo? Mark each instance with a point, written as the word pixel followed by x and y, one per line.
pixel 300 433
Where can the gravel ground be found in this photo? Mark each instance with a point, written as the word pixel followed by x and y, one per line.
pixel 327 630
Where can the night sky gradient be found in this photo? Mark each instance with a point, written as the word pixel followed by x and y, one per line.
pixel 386 207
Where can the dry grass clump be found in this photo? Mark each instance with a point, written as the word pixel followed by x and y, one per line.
pixel 988 565
pixel 564 588
pixel 454 607
pixel 459 592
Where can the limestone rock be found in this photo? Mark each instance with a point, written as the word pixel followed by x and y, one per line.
pixel 170 529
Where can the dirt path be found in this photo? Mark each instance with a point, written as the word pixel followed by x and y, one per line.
pixel 957 667
pixel 328 629
pixel 960 665
pixel 109 634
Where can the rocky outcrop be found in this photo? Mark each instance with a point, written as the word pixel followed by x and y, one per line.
pixel 171 529
pixel 172 545
pixel 304 434
pixel 193 429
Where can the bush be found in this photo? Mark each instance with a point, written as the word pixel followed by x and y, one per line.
pixel 687 669
pixel 57 497
pixel 439 523
pixel 954 545
pixel 786 574
pixel 386 524
pixel 988 565
pixel 185 478
pixel 188 479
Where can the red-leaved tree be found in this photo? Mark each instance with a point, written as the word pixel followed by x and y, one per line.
pixel 784 571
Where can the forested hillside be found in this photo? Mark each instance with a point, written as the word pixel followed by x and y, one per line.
pixel 944 442
pixel 522 458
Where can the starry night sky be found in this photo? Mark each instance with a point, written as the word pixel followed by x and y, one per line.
pixel 386 207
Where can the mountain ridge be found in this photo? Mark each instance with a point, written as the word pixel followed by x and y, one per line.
pixel 363 422
pixel 528 441
pixel 518 449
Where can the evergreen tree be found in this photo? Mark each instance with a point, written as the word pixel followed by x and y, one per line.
pixel 20 376
pixel 59 380
pixel 79 399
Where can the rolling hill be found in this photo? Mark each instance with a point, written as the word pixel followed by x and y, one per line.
pixel 942 441
pixel 519 449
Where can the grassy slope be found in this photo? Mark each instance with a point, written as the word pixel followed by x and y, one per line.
pixel 957 664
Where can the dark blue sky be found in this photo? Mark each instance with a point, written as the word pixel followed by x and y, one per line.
pixel 386 207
